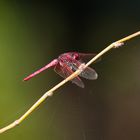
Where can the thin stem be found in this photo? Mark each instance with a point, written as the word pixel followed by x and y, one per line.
pixel 76 73
pixel 113 45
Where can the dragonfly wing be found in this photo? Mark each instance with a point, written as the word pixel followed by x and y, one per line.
pixel 87 56
pixel 88 73
pixel 65 72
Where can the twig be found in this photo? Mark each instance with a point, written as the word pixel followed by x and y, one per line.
pixel 76 73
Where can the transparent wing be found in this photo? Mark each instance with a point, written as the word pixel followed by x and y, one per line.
pixel 66 71
pixel 88 73
pixel 87 56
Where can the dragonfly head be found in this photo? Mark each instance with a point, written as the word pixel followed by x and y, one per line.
pixel 69 55
pixel 75 55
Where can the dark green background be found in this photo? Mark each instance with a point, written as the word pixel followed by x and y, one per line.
pixel 34 33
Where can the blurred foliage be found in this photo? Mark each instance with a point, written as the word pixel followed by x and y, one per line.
pixel 33 33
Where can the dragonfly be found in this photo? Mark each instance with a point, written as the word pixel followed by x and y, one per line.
pixel 66 64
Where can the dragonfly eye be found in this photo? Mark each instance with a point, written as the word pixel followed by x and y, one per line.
pixel 74 55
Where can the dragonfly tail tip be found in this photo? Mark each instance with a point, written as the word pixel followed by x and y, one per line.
pixel 26 79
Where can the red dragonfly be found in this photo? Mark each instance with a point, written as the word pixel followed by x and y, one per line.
pixel 66 64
